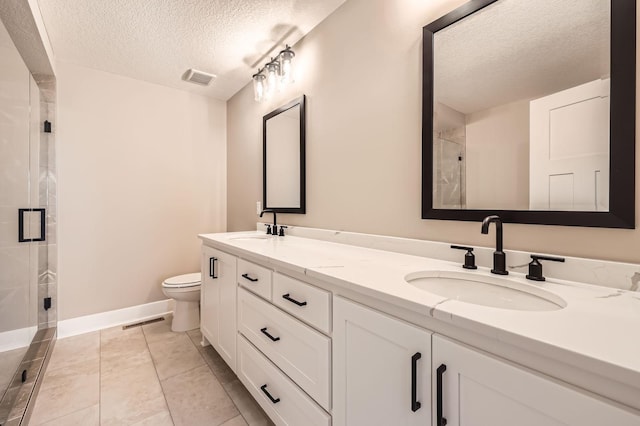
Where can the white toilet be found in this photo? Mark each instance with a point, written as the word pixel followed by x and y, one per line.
pixel 185 290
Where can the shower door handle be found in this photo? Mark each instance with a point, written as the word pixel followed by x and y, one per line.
pixel 21 237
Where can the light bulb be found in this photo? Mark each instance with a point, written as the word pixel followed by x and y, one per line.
pixel 273 70
pixel 258 86
pixel 286 70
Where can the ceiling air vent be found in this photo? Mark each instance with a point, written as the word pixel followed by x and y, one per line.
pixel 198 77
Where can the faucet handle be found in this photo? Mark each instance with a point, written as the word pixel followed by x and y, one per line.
pixel 469 257
pixel 535 267
pixel 268 228
pixel 282 228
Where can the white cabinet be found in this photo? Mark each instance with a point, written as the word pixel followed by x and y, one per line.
pixel 374 369
pixel 479 390
pixel 218 302
pixel 381 369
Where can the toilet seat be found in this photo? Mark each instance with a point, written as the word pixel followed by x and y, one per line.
pixel 183 281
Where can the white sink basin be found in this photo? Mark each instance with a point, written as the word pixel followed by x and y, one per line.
pixel 250 238
pixel 487 291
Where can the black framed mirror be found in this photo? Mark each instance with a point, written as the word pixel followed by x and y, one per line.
pixel 283 158
pixel 529 113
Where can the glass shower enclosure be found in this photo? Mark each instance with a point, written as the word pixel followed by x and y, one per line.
pixel 27 201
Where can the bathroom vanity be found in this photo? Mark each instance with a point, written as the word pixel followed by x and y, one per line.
pixel 321 332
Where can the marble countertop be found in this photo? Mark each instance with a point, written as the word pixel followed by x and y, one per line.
pixel 598 330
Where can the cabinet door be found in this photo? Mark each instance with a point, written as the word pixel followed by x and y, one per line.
pixel 381 368
pixel 479 390
pixel 218 303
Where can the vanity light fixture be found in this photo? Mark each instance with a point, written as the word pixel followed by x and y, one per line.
pixel 275 75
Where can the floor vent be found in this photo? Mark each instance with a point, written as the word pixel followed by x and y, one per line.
pixel 141 323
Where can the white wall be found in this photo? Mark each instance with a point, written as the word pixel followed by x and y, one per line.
pixel 500 137
pixel 362 74
pixel 142 171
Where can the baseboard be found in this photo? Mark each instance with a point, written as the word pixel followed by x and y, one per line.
pixel 14 339
pixel 94 322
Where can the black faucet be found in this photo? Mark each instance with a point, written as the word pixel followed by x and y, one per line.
pixel 499 258
pixel 274 229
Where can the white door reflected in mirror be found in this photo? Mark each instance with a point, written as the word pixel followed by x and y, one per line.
pixel 569 149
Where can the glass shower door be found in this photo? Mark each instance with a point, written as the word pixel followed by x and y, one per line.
pixel 449 171
pixel 18 264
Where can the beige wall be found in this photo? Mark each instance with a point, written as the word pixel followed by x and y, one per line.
pixel 361 72
pixel 141 173
pixel 498 157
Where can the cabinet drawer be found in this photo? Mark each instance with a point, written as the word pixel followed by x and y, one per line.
pixel 311 304
pixel 301 352
pixel 261 377
pixel 255 278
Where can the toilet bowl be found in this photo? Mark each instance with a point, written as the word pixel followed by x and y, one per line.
pixel 185 290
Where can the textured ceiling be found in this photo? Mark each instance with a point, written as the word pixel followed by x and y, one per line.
pixel 158 40
pixel 521 49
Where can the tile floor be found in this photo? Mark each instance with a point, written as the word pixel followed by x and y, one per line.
pixel 142 376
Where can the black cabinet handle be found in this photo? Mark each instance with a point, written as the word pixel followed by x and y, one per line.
pixel 247 277
pixel 263 388
pixel 266 333
pixel 415 404
pixel 440 420
pixel 212 267
pixel 288 297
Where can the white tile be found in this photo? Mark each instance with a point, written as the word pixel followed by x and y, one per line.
pixel 14 264
pixel 14 312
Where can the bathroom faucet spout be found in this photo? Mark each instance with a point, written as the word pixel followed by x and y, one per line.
pixel 499 258
pixel 274 230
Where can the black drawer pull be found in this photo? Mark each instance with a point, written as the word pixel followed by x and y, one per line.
pixel 266 333
pixel 212 267
pixel 247 277
pixel 415 404
pixel 440 420
pixel 263 388
pixel 288 297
